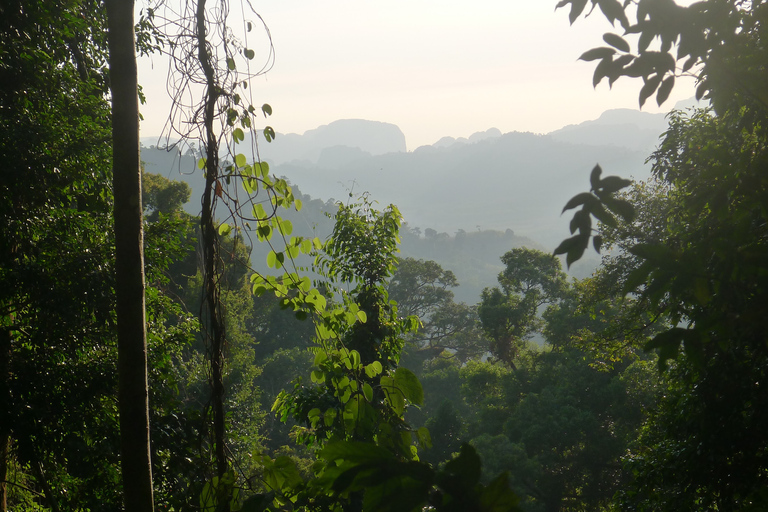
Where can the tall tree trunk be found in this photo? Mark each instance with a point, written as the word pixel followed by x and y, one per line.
pixel 129 285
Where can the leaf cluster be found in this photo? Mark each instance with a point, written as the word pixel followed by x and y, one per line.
pixel 600 202
pixel 721 42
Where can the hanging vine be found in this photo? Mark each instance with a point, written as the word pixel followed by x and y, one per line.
pixel 208 108
pixel 356 363
pixel 213 107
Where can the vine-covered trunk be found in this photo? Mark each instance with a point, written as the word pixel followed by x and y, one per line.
pixel 212 314
pixel 129 279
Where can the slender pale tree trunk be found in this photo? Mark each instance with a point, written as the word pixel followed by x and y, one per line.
pixel 129 284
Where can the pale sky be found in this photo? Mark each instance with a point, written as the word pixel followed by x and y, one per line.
pixel 434 68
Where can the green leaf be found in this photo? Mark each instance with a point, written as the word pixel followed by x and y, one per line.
pixel 601 214
pixel 231 63
pixel 368 391
pixel 578 200
pixel 498 497
pixel 329 417
pixel 611 184
pixel 238 136
pixel 604 69
pixel 355 451
pixel 573 247
pixel 668 345
pixel 266 109
pixel 393 394
pixel 613 10
pixel 581 221
pixel 649 88
pixel 275 259
pixel 616 41
pixel 567 245
pixel 665 89
pixel 263 168
pixel 620 207
pixel 702 89
pixel 597 242
pixel 354 358
pixel 701 291
pixel 264 232
pixel 258 211
pixel 467 466
pixel 424 437
pixel 240 160
pixel 224 229
pixel 409 385
pixel 201 163
pixel 660 254
pixel 597 53
pixel 285 227
pixel 249 54
pixel 594 177
pixel 257 502
pixel 320 357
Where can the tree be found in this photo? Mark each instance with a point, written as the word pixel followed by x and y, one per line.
pixel 703 271
pixel 354 411
pixel 509 315
pixel 129 266
pixel 705 274
pixel 52 138
pixel 160 195
pixel 359 393
pixel 57 266
pixel 423 289
pixel 721 42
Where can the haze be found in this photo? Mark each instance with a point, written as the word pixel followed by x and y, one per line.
pixel 432 68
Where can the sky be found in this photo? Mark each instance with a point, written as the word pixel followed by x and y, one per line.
pixel 433 68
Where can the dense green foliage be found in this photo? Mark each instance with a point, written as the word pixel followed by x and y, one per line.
pixel 694 258
pixel 367 386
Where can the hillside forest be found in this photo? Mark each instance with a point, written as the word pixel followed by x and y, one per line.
pixel 264 350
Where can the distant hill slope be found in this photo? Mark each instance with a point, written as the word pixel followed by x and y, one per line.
pixel 372 137
pixel 517 181
pixel 631 129
pixel 511 187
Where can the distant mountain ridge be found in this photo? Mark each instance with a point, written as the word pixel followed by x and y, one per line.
pixel 486 182
pixel 638 131
pixel 489 180
pixel 371 137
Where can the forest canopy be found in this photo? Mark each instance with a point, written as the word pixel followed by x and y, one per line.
pixel 349 378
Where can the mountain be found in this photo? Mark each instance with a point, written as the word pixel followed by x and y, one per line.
pixel 477 197
pixel 371 137
pixel 517 181
pixel 632 129
pixel 627 128
pixel 445 142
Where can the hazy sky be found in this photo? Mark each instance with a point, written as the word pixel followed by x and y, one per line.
pixel 434 68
